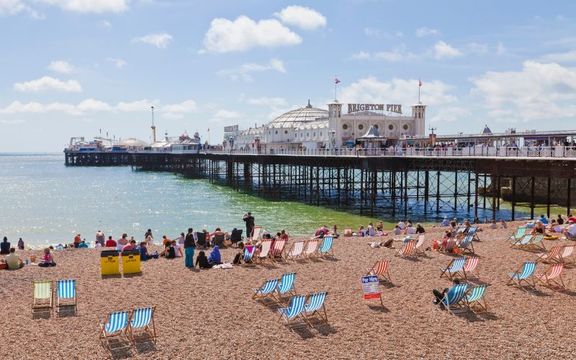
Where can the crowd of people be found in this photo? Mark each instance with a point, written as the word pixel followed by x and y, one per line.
pixel 12 261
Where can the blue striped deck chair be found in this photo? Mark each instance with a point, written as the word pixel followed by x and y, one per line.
pixel 537 243
pixel 315 307
pixel 286 286
pixel 142 319
pixel 267 289
pixel 476 300
pixel 473 231
pixel 295 308
pixel 454 299
pixel 249 255
pixel 466 244
pixel 455 266
pixel 524 274
pixel 326 247
pixel 66 294
pixel 116 326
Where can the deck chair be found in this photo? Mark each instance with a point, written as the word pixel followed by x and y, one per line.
pixel 454 267
pixel 326 247
pixel 536 243
pixel 567 254
pixel 66 295
pixel 256 233
pixel 552 277
pixel 286 286
pixel 523 241
pixel 236 236
pixel 454 300
pixel 407 249
pixel 466 244
pixel 518 235
pixel 473 231
pixel 42 295
pixel 476 300
pixel 311 248
pixel 380 269
pixel 315 307
pixel 277 249
pixel 469 266
pixel 294 309
pixel 116 325
pixel 267 289
pixel 219 240
pixel 554 255
pixel 142 320
pixel 524 274
pixel 418 248
pixel 295 250
pixel 249 255
pixel 201 240
pixel 265 247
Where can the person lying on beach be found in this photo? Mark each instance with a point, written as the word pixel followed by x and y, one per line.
pixel 215 258
pixel 47 259
pixel 438 296
pixel 13 261
pixel 202 261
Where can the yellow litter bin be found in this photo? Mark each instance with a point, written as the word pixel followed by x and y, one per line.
pixel 131 262
pixel 109 263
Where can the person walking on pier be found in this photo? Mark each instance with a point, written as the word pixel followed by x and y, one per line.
pixel 249 220
pixel 189 247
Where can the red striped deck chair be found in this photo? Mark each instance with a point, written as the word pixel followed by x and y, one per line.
pixel 296 250
pixel 552 277
pixel 380 269
pixel 265 247
pixel 567 254
pixel 407 250
pixel 554 255
pixel 277 249
pixel 470 266
pixel 311 249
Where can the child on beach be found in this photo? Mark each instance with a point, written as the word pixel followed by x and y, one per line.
pixel 202 261
pixel 47 259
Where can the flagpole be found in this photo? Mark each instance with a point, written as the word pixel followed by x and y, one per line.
pixel 419 86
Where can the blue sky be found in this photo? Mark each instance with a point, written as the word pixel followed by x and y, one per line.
pixel 72 67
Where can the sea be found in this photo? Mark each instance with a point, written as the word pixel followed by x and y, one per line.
pixel 46 203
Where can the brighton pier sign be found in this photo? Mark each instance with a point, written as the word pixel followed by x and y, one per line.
pixel 395 108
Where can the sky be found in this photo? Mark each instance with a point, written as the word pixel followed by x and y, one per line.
pixel 85 67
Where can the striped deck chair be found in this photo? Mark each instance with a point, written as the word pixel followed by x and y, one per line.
pixel 249 255
pixel 256 233
pixel 311 249
pixel 42 295
pixel 567 254
pixel 525 274
pixel 296 250
pixel 66 294
pixel 466 244
pixel 142 320
pixel 454 267
pixel 294 309
pixel 326 247
pixel 267 289
pixel 523 241
pixel 518 235
pixel 554 255
pixel 418 248
pixel 116 325
pixel 407 250
pixel 552 277
pixel 278 249
pixel 536 243
pixel 469 266
pixel 380 269
pixel 473 231
pixel 286 286
pixel 264 253
pixel 315 307
pixel 454 299
pixel 476 300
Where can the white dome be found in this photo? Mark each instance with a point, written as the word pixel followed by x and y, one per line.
pixel 133 142
pixel 295 118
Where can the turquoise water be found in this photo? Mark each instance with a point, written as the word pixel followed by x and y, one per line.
pixel 45 202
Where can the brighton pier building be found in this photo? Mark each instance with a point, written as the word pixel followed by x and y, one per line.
pixel 368 125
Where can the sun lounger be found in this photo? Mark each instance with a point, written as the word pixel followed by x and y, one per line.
pixel 454 267
pixel 315 307
pixel 476 300
pixel 66 294
pixel 256 233
pixel 296 250
pixel 42 295
pixel 554 255
pixel 265 247
pixel 523 241
pixel 326 247
pixel 466 244
pixel 518 235
pixel 277 249
pixel 567 254
pixel 536 243
pixel 294 309
pixel 454 299
pixel 380 269
pixel 142 320
pixel 473 231
pixel 552 277
pixel 116 325
pixel 311 249
pixel 266 290
pixel 286 286
pixel 407 250
pixel 524 274
pixel 470 266
pixel 249 254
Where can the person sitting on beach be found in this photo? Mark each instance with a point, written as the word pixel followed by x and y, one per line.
pixel 130 246
pixel 493 224
pixel 144 255
pixel 83 244
pixel 123 241
pixel 397 231
pixel 370 231
pixel 560 219
pixel 454 224
pixel 543 219
pixel 215 258
pixel 47 259
pixel 420 229
pixel 100 238
pixel 448 242
pixel 445 222
pixel 401 224
pixel 216 236
pixel 77 240
pixel 409 229
pixel 321 231
pixel 439 295
pixel 5 246
pixel 20 244
pixel 284 234
pixel 239 255
pixel 202 261
pixel 177 249
pixel 169 252
pixel 13 261
pixel 380 226
pixel 111 242
pixel 570 231
pixel 361 231
pixel 539 228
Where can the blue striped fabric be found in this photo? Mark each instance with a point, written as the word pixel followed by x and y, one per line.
pixel 471 230
pixel 315 302
pixel 457 265
pixel 268 287
pixel 466 241
pixel 476 293
pixel 141 317
pixel 117 321
pixel 527 271
pixel 455 294
pixel 326 244
pixel 66 289
pixel 248 254
pixel 286 283
pixel 295 307
pixel 526 240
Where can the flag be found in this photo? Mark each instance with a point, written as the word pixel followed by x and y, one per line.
pixel 419 83
pixel 336 81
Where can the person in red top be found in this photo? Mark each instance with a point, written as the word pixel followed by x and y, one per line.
pixel 77 240
pixel 130 246
pixel 110 242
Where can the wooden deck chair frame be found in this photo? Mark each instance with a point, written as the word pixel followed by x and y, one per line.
pixel 301 302
pixel 517 236
pixel 380 269
pixel 66 302
pixel 320 312
pixel 252 259
pixel 39 299
pixel 149 328
pixel 514 280
pixel 554 255
pixel 291 292
pixel 523 241
pixel 122 333
pixel 469 248
pixel 290 255
pixel 554 281
pixel 567 256
pixel 539 245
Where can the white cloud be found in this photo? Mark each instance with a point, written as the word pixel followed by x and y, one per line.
pixel 424 31
pixel 93 105
pixel 244 33
pixel 268 101
pixel 394 55
pixel 47 83
pixel 538 92
pixel 119 63
pixel 160 40
pixel 477 48
pixel 302 17
pixel 89 6
pixel 60 66
pixel 177 111
pixel 14 7
pixel 244 71
pixel 443 50
pixel 136 106
pixel 565 57
pixel 226 114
